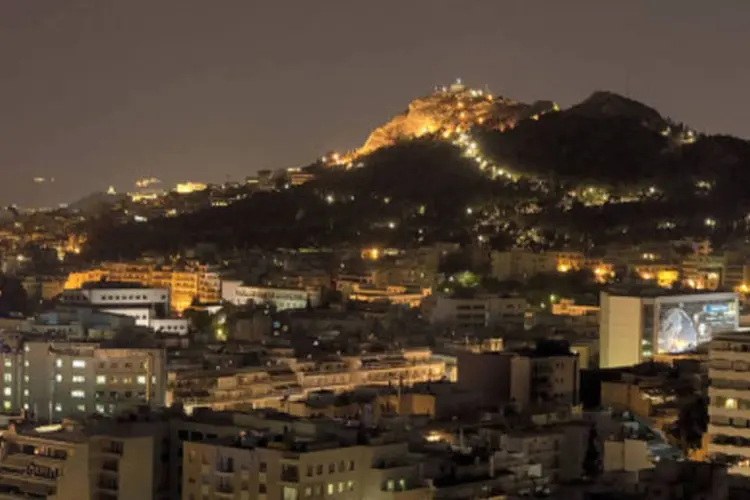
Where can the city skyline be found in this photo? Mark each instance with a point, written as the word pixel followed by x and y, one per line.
pixel 96 95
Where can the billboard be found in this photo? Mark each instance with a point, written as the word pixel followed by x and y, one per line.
pixel 683 323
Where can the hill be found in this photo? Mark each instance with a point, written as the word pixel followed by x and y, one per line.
pixel 607 169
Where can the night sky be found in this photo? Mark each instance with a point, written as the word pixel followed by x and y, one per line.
pixel 98 92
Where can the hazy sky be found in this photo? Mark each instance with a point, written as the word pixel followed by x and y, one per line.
pixel 100 92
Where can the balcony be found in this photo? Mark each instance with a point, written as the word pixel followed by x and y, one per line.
pixel 115 449
pixel 108 485
pixel 111 466
pixel 226 491
pixel 224 468
pixel 290 475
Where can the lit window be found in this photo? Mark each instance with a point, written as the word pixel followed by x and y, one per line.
pixel 26 392
pixel 7 377
pixel 142 379
pixel 79 363
pixel 7 391
pixel 101 379
pixel 59 363
pixel 26 378
pixel 8 363
pixel 58 377
pixel 78 394
pixel 731 403
pixel 78 379
pixel 7 405
pixel 58 407
pixel 26 406
pixel 81 408
pixel 331 488
pixel 341 487
pixel 26 363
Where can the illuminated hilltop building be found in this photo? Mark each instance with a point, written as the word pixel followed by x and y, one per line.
pixel 185 285
pixel 190 187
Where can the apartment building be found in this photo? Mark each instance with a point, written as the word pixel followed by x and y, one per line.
pixel 729 407
pixel 293 467
pixel 51 379
pixel 475 312
pixel 185 285
pixel 72 462
pixel 392 294
pixel 523 378
pixel 292 379
pixel 522 264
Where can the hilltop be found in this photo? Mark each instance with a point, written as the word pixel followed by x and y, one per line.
pixel 452 109
pixel 461 165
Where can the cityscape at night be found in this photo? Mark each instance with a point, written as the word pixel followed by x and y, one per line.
pixel 280 250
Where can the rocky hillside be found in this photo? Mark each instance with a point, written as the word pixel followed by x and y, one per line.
pixel 464 166
pixel 451 110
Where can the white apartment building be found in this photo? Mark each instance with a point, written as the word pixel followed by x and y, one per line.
pixel 117 295
pixel 52 380
pixel 149 307
pixel 729 406
pixel 635 325
pixel 238 294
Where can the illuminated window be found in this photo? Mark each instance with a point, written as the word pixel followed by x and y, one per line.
pixel 58 407
pixel 58 377
pixel 81 408
pixel 142 379
pixel 101 379
pixel 7 391
pixel 79 363
pixel 78 379
pixel 7 405
pixel 7 377
pixel 8 363
pixel 330 488
pixel 99 408
pixel 26 392
pixel 59 363
pixel 78 394
pixel 731 403
pixel 26 406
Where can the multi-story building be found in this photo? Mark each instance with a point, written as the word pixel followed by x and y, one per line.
pixel 522 264
pixel 729 407
pixel 703 272
pixel 638 323
pixel 272 387
pixel 475 312
pixel 236 293
pixel 103 462
pixel 526 378
pixel 149 307
pixel 397 295
pixel 52 380
pixel 185 285
pixel 290 467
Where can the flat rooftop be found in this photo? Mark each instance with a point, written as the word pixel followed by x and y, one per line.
pixel 656 291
